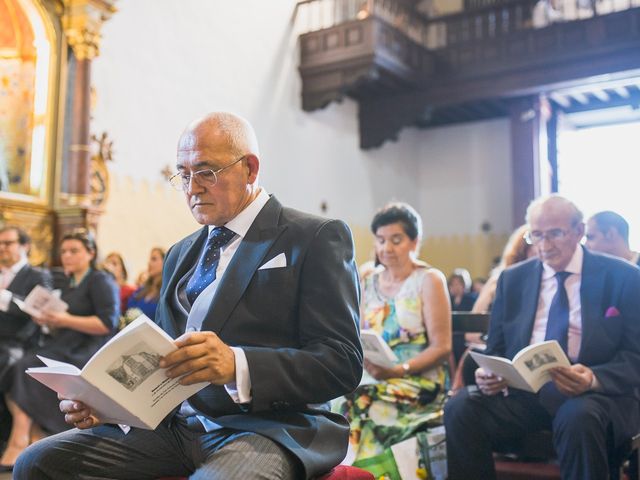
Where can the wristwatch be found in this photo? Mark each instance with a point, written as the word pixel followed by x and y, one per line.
pixel 406 368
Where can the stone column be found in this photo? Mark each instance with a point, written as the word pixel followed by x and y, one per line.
pixel 528 160
pixel 81 21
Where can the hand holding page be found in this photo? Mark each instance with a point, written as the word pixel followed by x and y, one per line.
pixel 41 300
pixel 376 350
pixel 123 382
pixel 529 369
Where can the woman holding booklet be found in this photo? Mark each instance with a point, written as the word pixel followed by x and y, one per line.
pixel 72 336
pixel 407 303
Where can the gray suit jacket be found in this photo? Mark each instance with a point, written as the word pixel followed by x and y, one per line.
pixel 298 326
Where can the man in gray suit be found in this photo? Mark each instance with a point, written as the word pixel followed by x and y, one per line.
pixel 264 302
pixel 17 279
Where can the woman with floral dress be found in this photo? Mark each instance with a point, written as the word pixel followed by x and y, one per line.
pixel 407 303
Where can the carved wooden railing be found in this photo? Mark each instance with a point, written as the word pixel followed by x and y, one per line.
pixel 314 15
pixel 481 20
pixel 405 69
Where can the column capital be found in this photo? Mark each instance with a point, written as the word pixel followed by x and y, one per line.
pixel 82 21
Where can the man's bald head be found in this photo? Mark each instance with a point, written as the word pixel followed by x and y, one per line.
pixel 218 166
pixel 221 128
pixel 555 228
pixel 555 204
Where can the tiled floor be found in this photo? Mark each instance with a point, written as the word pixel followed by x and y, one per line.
pixel 5 476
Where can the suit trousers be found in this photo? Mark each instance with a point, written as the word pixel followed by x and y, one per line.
pixel 585 429
pixel 173 449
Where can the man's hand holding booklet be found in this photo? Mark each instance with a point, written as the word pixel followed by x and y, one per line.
pixel 529 369
pixel 123 382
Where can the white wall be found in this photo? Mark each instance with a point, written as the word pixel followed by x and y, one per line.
pixel 165 62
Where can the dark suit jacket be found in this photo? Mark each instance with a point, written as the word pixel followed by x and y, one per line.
pixel 610 343
pixel 297 326
pixel 15 324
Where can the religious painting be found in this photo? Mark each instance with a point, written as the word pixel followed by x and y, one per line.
pixel 25 58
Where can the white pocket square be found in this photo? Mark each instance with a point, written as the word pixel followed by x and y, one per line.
pixel 278 261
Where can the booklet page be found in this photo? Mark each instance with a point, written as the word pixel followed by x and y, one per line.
pixel 123 381
pixel 376 349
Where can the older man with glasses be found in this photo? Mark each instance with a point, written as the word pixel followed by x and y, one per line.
pixel 264 300
pixel 590 304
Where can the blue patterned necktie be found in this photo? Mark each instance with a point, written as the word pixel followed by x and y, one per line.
pixel 558 320
pixel 205 271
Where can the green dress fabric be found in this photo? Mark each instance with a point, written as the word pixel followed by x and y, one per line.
pixel 387 412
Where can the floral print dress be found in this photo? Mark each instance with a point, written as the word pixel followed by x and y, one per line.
pixel 387 412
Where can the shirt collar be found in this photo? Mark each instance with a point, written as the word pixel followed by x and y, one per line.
pixel 575 265
pixel 240 223
pixel 16 267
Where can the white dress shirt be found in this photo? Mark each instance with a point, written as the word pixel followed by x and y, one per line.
pixel 6 277
pixel 240 390
pixel 548 288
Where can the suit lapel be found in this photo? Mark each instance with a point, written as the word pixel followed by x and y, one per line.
pixel 19 279
pixel 530 293
pixel 592 288
pixel 251 252
pixel 189 249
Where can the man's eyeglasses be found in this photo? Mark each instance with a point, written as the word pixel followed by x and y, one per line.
pixel 204 178
pixel 536 236
pixel 7 243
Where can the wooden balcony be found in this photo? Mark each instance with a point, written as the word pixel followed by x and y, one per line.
pixel 361 58
pixel 405 70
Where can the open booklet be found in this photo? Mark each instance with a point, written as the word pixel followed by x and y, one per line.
pixel 376 350
pixel 123 382
pixel 529 369
pixel 40 300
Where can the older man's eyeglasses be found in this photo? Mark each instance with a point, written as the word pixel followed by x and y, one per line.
pixel 7 243
pixel 536 236
pixel 204 178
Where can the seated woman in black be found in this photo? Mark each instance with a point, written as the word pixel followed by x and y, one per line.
pixel 73 337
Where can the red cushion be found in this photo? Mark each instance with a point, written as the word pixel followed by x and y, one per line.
pixel 343 472
pixel 508 470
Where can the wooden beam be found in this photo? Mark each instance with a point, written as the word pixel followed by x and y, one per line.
pixel 525 155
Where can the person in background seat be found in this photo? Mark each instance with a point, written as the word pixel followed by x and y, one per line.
pixel 406 302
pixel 74 336
pixel 17 331
pixel 608 232
pixel 587 302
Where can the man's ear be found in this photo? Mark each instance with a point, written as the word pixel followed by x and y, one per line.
pixel 253 164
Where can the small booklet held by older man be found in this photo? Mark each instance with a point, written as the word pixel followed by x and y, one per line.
pixel 123 382
pixel 529 369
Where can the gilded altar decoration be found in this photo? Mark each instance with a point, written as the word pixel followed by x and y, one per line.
pixel 82 21
pixel 24 57
pixel 48 186
pixel 41 241
pixel 103 147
